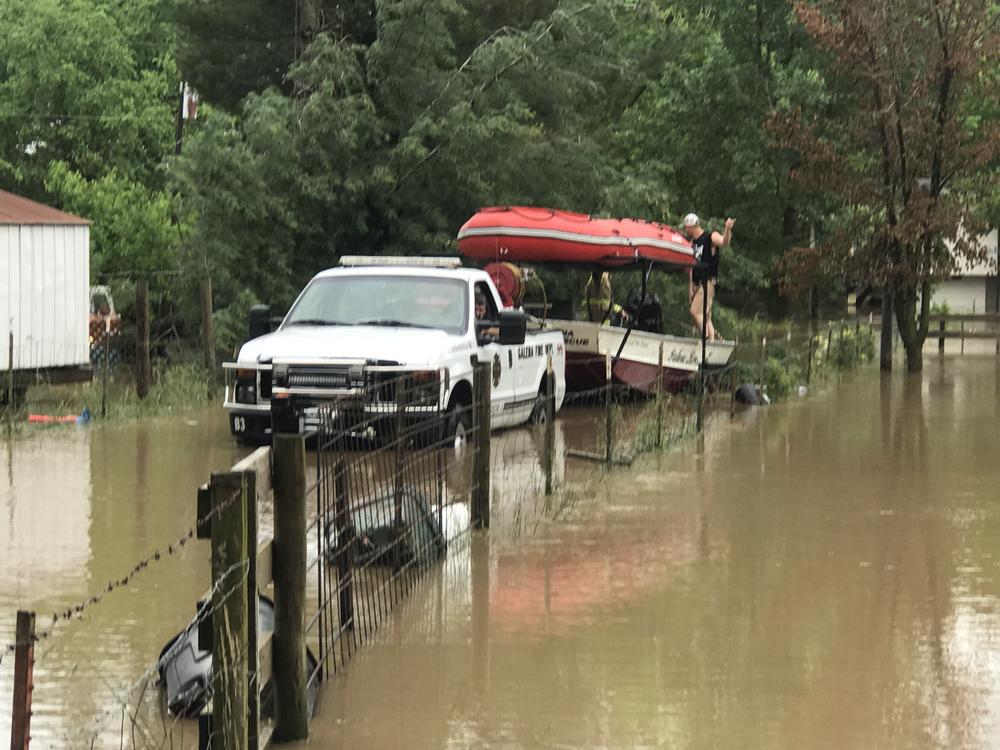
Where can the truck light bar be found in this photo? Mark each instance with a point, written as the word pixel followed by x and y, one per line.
pixel 400 260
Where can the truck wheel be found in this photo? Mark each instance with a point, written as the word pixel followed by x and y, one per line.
pixel 458 424
pixel 540 410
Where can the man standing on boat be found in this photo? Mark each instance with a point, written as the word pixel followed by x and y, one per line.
pixel 702 279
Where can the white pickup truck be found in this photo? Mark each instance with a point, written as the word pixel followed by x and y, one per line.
pixel 376 318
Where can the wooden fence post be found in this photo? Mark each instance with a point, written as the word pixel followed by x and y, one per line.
pixel 609 405
pixel 142 367
pixel 659 398
pixel 230 671
pixel 105 373
pixel 482 394
pixel 10 371
pixel 252 611
pixel 763 361
pixel 941 337
pixel 291 716
pixel 962 324
pixel 550 427
pixel 24 667
pixel 398 475
pixel 809 362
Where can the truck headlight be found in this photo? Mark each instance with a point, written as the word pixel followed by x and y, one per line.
pixel 246 392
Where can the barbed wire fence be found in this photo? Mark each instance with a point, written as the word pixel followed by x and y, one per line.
pixel 134 714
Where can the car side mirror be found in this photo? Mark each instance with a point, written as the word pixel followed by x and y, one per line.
pixel 513 327
pixel 260 322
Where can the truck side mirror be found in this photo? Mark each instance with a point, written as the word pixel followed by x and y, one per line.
pixel 260 321
pixel 513 327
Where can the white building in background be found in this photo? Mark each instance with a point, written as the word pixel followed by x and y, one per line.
pixel 44 289
pixel 975 288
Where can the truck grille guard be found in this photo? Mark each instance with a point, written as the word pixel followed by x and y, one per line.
pixel 325 380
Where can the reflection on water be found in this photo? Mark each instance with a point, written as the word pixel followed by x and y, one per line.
pixel 821 574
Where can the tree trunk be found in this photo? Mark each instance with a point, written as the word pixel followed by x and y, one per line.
pixel 885 347
pixel 909 331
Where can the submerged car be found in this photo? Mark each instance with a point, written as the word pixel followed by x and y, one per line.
pixel 185 670
pixel 374 535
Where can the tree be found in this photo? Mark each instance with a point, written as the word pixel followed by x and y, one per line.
pixel 899 151
pixel 717 71
pixel 85 83
pixel 233 48
pixel 391 146
pixel 131 225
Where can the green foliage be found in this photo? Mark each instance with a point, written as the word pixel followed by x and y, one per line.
pixel 130 223
pixel 231 326
pixel 85 82
pixel 847 348
pixel 701 116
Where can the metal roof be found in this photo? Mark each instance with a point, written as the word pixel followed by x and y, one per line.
pixel 17 210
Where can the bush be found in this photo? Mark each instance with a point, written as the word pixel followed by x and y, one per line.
pixel 847 348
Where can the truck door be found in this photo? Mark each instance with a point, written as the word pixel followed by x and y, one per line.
pixel 532 360
pixel 502 359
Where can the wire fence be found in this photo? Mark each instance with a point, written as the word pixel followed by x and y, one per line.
pixel 385 507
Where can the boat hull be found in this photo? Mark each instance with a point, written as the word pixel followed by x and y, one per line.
pixel 590 347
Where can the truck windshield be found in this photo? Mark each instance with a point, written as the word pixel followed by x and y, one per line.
pixel 406 301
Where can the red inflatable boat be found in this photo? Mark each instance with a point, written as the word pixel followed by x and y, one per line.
pixel 546 235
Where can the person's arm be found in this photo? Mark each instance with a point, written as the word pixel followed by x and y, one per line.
pixel 723 240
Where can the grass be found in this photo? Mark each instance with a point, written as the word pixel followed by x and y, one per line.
pixel 175 389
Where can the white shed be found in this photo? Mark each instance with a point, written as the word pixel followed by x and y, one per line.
pixel 44 286
pixel 974 288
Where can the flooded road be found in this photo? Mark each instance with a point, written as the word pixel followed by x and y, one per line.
pixel 822 574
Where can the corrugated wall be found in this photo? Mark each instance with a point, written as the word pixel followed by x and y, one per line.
pixel 44 287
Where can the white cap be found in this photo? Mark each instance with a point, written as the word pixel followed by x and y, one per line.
pixel 691 220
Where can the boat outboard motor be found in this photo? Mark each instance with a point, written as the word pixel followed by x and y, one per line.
pixel 648 313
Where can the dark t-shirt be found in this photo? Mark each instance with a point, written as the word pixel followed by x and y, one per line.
pixel 705 253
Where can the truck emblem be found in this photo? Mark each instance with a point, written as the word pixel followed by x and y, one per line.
pixel 497 369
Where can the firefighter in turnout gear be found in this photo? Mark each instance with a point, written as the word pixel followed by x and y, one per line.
pixel 598 303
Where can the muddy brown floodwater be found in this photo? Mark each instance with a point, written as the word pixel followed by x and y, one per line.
pixel 79 507
pixel 822 575
pixel 819 574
